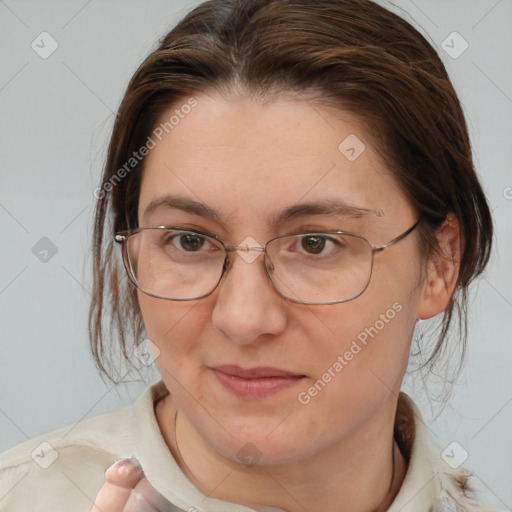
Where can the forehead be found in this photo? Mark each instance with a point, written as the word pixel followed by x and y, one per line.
pixel 242 158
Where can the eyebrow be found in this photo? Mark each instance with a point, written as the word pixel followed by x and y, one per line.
pixel 323 207
pixel 181 203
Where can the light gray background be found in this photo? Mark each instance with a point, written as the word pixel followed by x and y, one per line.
pixel 56 115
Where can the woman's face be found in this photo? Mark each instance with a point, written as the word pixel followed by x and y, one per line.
pixel 247 163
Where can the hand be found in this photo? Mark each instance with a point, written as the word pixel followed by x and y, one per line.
pixel 126 489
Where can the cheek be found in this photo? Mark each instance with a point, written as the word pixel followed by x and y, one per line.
pixel 357 371
pixel 364 351
pixel 175 328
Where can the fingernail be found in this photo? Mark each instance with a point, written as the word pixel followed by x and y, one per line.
pixel 127 460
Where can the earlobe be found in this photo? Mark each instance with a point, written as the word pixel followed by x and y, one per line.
pixel 442 271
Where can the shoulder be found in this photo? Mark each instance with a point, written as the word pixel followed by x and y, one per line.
pixel 456 492
pixel 434 478
pixel 96 433
pixel 63 469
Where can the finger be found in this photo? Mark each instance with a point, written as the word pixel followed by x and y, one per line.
pixel 145 498
pixel 137 503
pixel 120 479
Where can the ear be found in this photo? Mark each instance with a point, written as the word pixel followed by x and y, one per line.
pixel 442 271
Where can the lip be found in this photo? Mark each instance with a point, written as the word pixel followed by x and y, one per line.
pixel 257 382
pixel 254 373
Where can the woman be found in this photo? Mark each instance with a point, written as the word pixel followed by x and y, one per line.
pixel 290 186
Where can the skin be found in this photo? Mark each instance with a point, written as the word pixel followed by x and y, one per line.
pixel 248 161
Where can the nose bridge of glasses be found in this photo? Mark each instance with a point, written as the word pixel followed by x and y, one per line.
pixel 249 249
pixel 244 248
pixel 246 245
pixel 248 253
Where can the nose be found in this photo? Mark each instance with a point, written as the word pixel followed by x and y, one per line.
pixel 247 305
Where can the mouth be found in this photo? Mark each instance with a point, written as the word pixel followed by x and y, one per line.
pixel 257 382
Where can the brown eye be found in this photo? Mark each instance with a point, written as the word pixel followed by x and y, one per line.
pixel 313 244
pixel 191 243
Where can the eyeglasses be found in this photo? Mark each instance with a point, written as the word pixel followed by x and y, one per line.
pixel 308 268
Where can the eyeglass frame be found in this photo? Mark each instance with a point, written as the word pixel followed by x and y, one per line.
pixel 122 236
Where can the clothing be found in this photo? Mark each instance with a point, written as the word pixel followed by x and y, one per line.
pixel 83 452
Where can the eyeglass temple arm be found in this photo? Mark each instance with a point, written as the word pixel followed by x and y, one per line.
pixel 397 239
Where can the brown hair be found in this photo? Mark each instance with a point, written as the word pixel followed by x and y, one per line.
pixel 350 54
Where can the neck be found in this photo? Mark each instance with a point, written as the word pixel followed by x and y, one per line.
pixel 360 473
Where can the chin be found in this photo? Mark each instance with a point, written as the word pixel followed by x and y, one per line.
pixel 262 453
pixel 261 443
